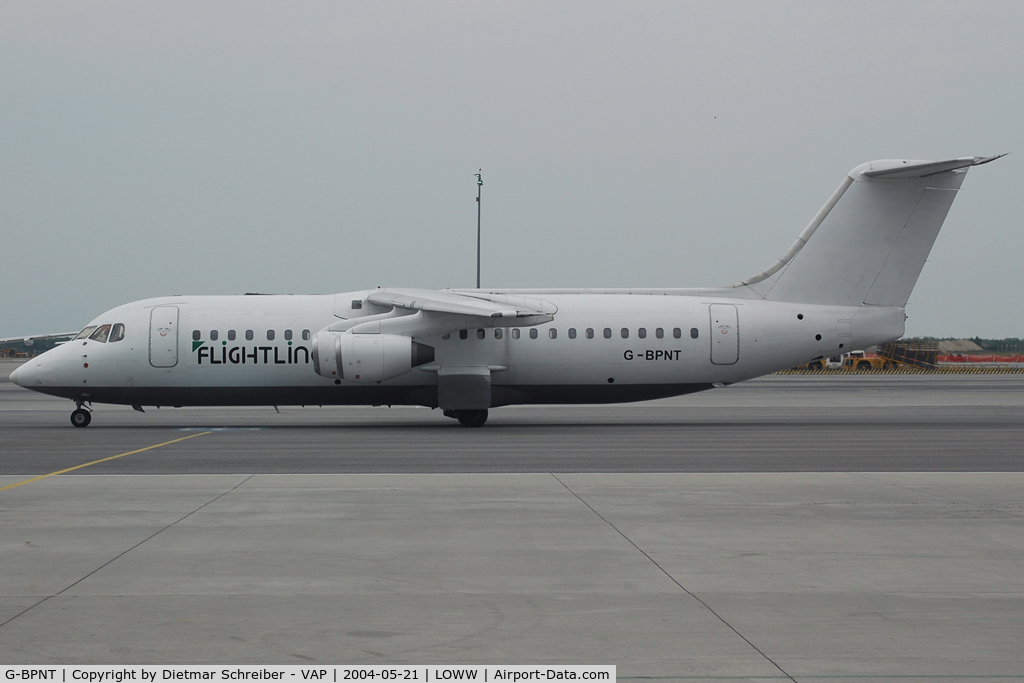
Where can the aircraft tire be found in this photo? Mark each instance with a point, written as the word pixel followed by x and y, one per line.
pixel 471 418
pixel 81 418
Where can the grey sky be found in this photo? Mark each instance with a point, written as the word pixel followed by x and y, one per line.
pixel 218 148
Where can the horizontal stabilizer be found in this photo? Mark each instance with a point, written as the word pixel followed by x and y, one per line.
pixel 897 168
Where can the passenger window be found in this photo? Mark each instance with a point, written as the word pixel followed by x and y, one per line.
pixel 552 333
pixel 590 333
pixel 270 335
pixel 498 333
pixel 357 304
pixel 101 334
pixel 694 333
pixel 533 333
pixel 659 333
pixel 642 333
pixel 463 334
pixel 515 333
pixel 213 335
pixel 84 334
pixel 624 332
pixel 607 333
pixel 572 333
pixel 196 335
pixel 480 334
pixel 677 333
pixel 231 335
pixel 117 333
pixel 248 335
pixel 287 335
pixel 446 337
pixel 305 335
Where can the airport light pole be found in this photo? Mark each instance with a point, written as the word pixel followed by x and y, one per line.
pixel 479 187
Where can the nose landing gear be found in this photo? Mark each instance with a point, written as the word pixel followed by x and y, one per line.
pixel 81 417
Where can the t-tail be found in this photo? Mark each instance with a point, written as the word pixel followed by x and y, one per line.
pixel 869 242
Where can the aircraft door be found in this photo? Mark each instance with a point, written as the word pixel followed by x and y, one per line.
pixel 163 337
pixel 725 334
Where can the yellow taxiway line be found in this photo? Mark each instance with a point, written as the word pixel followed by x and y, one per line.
pixel 96 462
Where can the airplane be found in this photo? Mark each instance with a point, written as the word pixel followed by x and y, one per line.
pixel 842 285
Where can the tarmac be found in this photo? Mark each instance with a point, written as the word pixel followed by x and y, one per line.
pixel 742 534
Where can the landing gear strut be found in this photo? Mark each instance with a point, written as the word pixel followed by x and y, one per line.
pixel 471 418
pixel 81 417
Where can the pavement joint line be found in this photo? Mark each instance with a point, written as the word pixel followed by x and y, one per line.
pixel 913 489
pixel 674 580
pixel 96 462
pixel 125 552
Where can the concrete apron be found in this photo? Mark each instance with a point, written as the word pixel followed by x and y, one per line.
pixel 678 575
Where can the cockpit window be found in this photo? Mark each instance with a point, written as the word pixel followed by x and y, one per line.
pixel 101 334
pixel 116 332
pixel 84 334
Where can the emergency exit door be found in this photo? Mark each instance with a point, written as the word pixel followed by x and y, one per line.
pixel 163 337
pixel 725 334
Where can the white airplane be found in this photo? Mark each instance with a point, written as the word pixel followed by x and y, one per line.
pixel 842 285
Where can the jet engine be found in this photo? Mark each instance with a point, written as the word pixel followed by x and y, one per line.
pixel 367 357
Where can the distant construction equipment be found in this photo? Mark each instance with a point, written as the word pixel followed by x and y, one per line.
pixel 915 355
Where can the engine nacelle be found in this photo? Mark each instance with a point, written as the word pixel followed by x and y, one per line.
pixel 367 357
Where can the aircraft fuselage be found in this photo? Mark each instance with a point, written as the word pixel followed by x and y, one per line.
pixel 260 350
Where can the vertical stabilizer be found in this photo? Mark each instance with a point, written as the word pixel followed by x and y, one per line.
pixel 869 242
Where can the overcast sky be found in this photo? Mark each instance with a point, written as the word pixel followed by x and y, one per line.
pixel 317 147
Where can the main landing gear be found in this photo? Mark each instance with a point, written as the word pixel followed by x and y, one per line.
pixel 468 418
pixel 81 417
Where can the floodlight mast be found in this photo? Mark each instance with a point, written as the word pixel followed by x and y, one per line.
pixel 479 186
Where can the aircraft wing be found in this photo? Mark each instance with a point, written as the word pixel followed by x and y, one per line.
pixel 424 312
pixel 458 303
pixel 31 339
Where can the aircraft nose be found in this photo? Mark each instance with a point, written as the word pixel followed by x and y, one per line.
pixel 19 375
pixel 36 372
